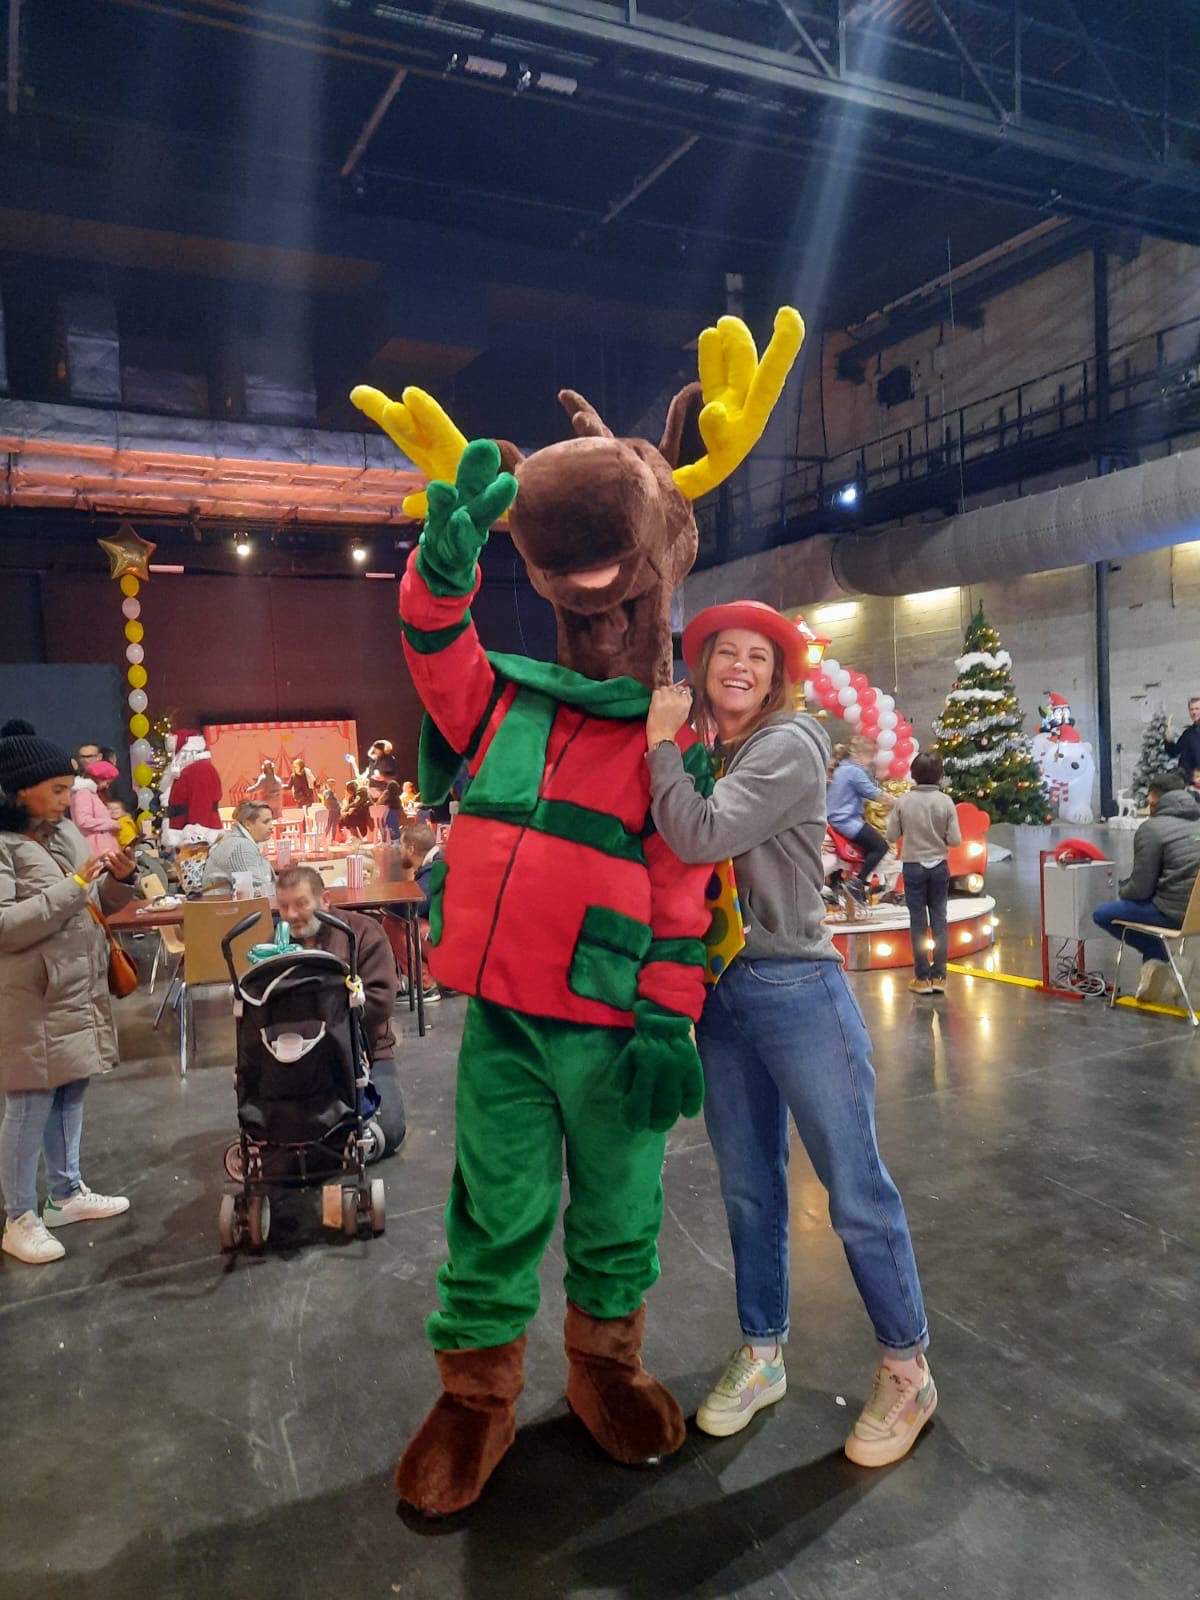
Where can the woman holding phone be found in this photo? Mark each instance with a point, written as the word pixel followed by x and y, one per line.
pixel 780 1030
pixel 55 1013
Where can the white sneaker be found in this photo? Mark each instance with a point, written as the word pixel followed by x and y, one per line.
pixel 748 1383
pixel 83 1207
pixel 26 1238
pixel 1152 983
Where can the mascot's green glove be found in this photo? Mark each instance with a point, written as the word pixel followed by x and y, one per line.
pixel 661 1070
pixel 460 516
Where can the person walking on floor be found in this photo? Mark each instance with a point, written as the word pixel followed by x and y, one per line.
pixel 927 820
pixel 55 1014
pixel 780 1028
pixel 850 787
pixel 1186 749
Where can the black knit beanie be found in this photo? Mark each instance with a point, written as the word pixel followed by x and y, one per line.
pixel 26 760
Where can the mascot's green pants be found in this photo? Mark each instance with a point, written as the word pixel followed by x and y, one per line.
pixel 524 1085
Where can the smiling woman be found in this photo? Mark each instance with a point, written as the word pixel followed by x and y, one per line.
pixel 783 986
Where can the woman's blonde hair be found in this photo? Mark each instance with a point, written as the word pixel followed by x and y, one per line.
pixel 779 697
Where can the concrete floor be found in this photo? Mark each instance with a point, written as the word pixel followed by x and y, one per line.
pixel 182 1424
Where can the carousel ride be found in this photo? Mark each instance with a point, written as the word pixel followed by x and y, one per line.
pixel 876 936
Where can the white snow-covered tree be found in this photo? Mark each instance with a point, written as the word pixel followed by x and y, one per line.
pixel 1153 759
pixel 980 734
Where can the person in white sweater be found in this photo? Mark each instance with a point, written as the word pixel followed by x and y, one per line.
pixel 926 820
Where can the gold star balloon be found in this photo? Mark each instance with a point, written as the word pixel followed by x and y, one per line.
pixel 127 553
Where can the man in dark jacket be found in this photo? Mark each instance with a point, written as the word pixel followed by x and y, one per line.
pixel 299 895
pixel 1166 861
pixel 1186 749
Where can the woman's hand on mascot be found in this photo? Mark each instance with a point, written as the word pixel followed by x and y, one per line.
pixel 461 515
pixel 670 709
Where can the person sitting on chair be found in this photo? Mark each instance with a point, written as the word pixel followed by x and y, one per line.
pixel 299 895
pixel 238 850
pixel 1166 861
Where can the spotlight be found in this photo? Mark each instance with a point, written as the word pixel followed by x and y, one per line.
pixel 358 551
pixel 242 545
pixel 974 882
pixel 524 79
pixel 847 495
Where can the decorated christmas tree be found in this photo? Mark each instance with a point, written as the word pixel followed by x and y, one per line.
pixel 1153 759
pixel 980 738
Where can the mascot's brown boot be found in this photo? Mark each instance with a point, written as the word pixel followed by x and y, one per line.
pixel 462 1440
pixel 626 1411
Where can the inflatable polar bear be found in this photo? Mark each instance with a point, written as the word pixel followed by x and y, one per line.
pixel 1069 768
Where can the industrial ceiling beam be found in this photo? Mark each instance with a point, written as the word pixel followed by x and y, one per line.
pixel 1103 68
pixel 639 188
pixel 806 38
pixel 609 24
pixel 369 126
pixel 971 64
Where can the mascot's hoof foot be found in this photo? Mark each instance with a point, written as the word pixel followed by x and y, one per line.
pixel 464 1438
pixel 631 1416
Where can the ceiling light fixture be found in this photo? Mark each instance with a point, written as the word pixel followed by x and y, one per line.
pixel 242 545
pixel 358 550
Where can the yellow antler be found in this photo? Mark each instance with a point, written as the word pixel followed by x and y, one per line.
pixel 419 426
pixel 739 394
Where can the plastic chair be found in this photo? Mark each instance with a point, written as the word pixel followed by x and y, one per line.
pixel 205 924
pixel 169 939
pixel 1171 939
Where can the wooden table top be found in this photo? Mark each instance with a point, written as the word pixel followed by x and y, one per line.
pixel 149 914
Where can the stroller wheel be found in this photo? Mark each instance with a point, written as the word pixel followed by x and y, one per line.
pixel 350 1212
pixel 233 1161
pixel 258 1220
pixel 377 1210
pixel 375 1142
pixel 229 1223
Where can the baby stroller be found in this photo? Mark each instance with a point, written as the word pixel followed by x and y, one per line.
pixel 301 1066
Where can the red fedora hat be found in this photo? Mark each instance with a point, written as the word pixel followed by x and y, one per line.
pixel 757 617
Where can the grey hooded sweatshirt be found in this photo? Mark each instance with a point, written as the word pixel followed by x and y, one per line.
pixel 768 813
pixel 1166 856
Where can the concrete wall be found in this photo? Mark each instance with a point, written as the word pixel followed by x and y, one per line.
pixel 1047 622
pixel 1037 334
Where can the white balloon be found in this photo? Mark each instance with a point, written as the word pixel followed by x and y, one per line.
pixel 131 609
pixel 810 692
pixel 888 720
pixel 848 696
pixel 140 750
pixel 853 714
pixel 886 739
pixel 138 700
pixel 882 762
pixel 145 799
pixel 886 703
pixel 842 679
pixel 831 668
pixel 135 653
pixel 916 744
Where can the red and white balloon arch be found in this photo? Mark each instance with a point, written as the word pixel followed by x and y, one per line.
pixel 866 710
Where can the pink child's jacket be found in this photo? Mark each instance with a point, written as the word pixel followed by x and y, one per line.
pixel 90 816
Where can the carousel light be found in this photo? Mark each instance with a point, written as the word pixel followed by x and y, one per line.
pixel 816 648
pixel 883 949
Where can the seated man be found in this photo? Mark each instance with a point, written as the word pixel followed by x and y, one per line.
pixel 299 895
pixel 1166 860
pixel 418 851
pixel 238 850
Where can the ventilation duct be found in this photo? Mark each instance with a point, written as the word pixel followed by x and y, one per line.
pixel 1103 519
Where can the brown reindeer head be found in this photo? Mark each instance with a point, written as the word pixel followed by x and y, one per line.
pixel 607 537
pixel 605 525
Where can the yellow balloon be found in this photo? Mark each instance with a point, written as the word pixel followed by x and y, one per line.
pixel 145 816
pixel 129 585
pixel 139 726
pixel 142 774
pixel 137 677
pixel 134 632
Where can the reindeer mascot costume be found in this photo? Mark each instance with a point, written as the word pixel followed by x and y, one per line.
pixel 576 933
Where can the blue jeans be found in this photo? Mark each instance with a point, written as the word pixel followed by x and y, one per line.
pixel 925 891
pixel 1134 911
pixel 788 1035
pixel 36 1120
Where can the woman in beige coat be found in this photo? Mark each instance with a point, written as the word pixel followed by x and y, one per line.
pixel 55 1016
